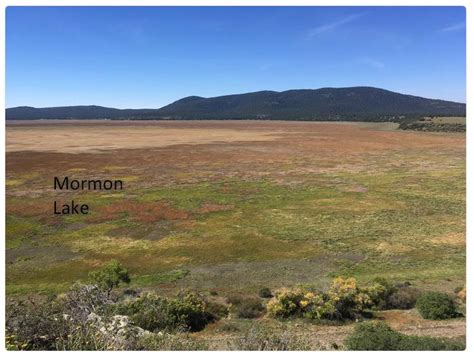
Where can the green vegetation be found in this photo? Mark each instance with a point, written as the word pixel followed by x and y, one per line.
pixel 381 231
pixel 20 229
pixel 345 300
pixel 290 215
pixel 379 336
pixel 110 276
pixel 434 305
pixel 101 317
pixel 153 313
pixel 159 278
pixel 435 124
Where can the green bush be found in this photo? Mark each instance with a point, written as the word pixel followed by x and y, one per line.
pixel 373 336
pixel 154 313
pixel 265 293
pixel 386 295
pixel 110 276
pixel 379 336
pixel 189 311
pixel 378 291
pixel 344 300
pixel 285 304
pixel 434 305
pixel 348 298
pixel 147 311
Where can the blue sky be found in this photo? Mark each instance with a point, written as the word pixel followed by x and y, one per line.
pixel 147 57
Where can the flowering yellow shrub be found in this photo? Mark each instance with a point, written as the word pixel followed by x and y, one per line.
pixel 341 285
pixel 345 295
pixel 285 303
pixel 377 293
pixel 344 299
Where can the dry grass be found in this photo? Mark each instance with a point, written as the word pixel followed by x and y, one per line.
pixel 106 136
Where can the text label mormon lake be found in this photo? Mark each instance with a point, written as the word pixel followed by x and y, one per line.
pixel 68 184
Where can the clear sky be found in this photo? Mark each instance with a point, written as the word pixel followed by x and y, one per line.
pixel 147 57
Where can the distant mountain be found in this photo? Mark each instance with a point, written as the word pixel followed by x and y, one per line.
pixel 356 103
pixel 75 112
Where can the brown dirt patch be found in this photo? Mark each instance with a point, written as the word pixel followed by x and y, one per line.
pixel 453 239
pixel 211 207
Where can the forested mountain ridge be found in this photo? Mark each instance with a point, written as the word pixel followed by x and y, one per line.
pixel 354 103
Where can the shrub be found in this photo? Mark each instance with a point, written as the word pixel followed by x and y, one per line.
pixel 434 305
pixel 154 313
pixel 373 336
pixel 250 308
pixel 285 303
pixel 83 299
pixel 403 297
pixel 244 307
pixel 349 300
pixel 60 323
pixel 379 336
pixel 377 292
pixel 344 300
pixel 110 276
pixel 189 311
pixel 385 295
pixel 33 323
pixel 100 333
pixel 147 311
pixel 265 293
pixel 380 291
pixel 318 306
pixel 217 310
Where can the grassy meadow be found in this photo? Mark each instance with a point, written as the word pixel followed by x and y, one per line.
pixel 288 211
pixel 234 207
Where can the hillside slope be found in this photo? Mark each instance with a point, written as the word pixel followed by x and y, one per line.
pixel 356 103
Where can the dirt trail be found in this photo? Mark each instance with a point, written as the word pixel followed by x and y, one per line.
pixel 326 337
